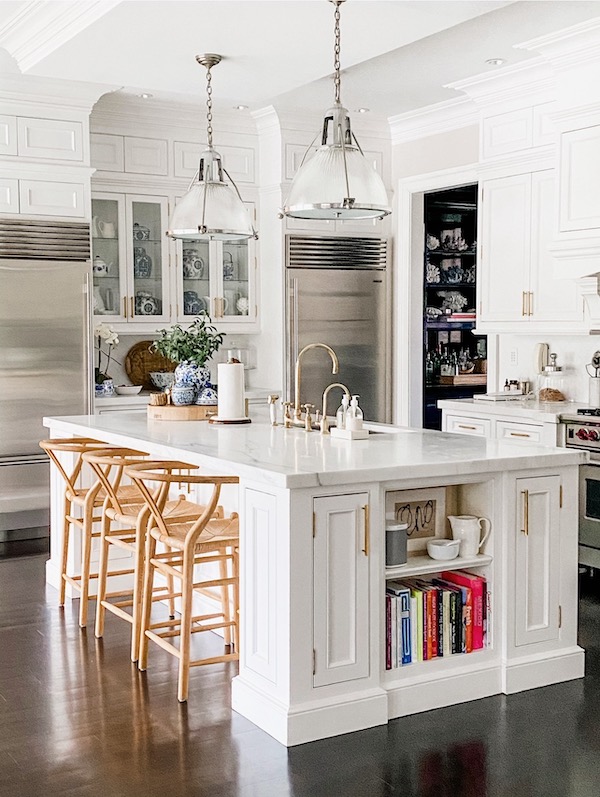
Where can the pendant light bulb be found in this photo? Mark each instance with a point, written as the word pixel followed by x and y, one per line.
pixel 212 209
pixel 337 182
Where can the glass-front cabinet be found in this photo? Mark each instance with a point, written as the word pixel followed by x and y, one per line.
pixel 130 258
pixel 219 278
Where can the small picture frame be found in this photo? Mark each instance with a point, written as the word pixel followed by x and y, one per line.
pixel 425 512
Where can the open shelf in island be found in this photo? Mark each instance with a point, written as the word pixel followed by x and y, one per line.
pixel 420 563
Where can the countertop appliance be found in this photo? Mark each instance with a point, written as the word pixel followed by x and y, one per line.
pixel 338 293
pixel 45 357
pixel 582 430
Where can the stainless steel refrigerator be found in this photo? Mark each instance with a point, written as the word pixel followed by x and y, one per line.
pixel 45 358
pixel 338 293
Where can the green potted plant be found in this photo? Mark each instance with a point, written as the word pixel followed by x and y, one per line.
pixel 190 348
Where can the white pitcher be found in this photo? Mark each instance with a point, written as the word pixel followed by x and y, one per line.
pixel 467 529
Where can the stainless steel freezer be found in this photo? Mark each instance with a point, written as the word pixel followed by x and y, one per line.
pixel 45 359
pixel 338 293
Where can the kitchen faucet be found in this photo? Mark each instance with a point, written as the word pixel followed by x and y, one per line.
pixel 334 370
pixel 324 422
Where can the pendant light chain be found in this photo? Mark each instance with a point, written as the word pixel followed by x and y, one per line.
pixel 209 130
pixel 336 59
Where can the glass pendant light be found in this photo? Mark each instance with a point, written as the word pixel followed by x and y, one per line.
pixel 337 182
pixel 212 209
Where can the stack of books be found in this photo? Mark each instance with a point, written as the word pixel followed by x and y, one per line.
pixel 429 619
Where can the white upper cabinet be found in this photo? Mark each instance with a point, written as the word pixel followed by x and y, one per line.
pixel 107 152
pixel 517 289
pixel 579 207
pixel 8 135
pixel 146 156
pixel 239 161
pixel 50 139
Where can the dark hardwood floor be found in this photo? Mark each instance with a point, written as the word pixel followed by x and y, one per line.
pixel 76 718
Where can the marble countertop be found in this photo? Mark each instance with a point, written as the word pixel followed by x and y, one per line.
pixel 293 458
pixel 530 409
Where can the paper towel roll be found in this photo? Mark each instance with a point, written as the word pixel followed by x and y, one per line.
pixel 230 377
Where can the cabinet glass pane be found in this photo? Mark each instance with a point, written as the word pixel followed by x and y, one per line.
pixel 147 259
pixel 235 278
pixel 105 256
pixel 196 285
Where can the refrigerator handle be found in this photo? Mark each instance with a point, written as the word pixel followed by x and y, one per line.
pixel 88 345
pixel 294 319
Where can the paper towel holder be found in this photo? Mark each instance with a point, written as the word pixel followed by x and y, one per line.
pixel 226 421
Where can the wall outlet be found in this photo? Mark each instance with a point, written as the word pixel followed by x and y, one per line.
pixel 514 357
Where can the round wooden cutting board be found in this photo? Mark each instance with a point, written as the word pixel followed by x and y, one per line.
pixel 140 361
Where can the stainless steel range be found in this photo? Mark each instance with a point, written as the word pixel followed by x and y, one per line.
pixel 582 430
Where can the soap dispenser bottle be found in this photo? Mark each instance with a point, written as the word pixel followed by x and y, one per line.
pixel 354 418
pixel 342 412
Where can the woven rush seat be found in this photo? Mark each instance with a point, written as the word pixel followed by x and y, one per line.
pixel 189 546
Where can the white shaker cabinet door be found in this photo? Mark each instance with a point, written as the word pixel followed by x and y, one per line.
pixel 551 299
pixel 504 252
pixel 579 207
pixel 537 559
pixel 341 588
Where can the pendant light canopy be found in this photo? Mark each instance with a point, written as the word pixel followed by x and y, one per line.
pixel 212 209
pixel 337 182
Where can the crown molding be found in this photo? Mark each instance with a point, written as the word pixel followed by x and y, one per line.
pixel 266 120
pixel 128 114
pixel 526 83
pixel 39 27
pixel 29 95
pixel 577 45
pixel 439 118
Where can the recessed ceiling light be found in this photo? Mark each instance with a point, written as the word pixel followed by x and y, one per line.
pixel 363 110
pixel 145 96
pixel 496 61
pixel 240 107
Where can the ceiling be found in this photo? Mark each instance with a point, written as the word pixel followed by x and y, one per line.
pixel 396 54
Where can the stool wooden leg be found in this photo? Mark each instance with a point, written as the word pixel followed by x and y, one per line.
pixel 102 576
pixel 225 600
pixel 171 588
pixel 64 554
pixel 187 578
pixel 86 555
pixel 138 585
pixel 147 601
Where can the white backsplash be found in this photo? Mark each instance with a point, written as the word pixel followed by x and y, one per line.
pixel 573 352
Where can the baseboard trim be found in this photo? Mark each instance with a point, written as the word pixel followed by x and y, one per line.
pixel 531 672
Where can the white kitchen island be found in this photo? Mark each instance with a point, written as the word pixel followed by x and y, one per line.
pixel 312 509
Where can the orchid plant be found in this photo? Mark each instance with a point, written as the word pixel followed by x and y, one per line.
pixel 106 339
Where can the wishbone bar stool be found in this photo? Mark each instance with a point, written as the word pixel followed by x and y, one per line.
pixel 188 543
pixel 87 499
pixel 128 533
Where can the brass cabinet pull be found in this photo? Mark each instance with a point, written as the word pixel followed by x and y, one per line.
pixel 464 426
pixel 530 302
pixel 523 302
pixel 525 529
pixel 125 306
pixel 519 434
pixel 365 550
pixel 131 305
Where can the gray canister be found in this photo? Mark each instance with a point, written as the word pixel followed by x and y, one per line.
pixel 395 543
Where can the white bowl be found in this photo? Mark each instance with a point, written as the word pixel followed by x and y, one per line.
pixel 162 379
pixel 443 549
pixel 127 390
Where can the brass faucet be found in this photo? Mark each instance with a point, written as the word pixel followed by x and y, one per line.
pixel 334 370
pixel 324 422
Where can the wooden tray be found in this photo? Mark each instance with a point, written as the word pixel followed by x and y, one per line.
pixel 464 379
pixel 140 361
pixel 190 412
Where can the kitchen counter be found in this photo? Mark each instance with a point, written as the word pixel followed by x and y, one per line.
pixel 312 562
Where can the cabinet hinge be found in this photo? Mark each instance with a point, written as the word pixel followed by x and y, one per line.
pixel 560 616
pixel 314 662
pixel 560 496
pixel 314 524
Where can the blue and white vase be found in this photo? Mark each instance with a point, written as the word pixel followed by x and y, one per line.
pixel 207 396
pixel 190 374
pixel 181 396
